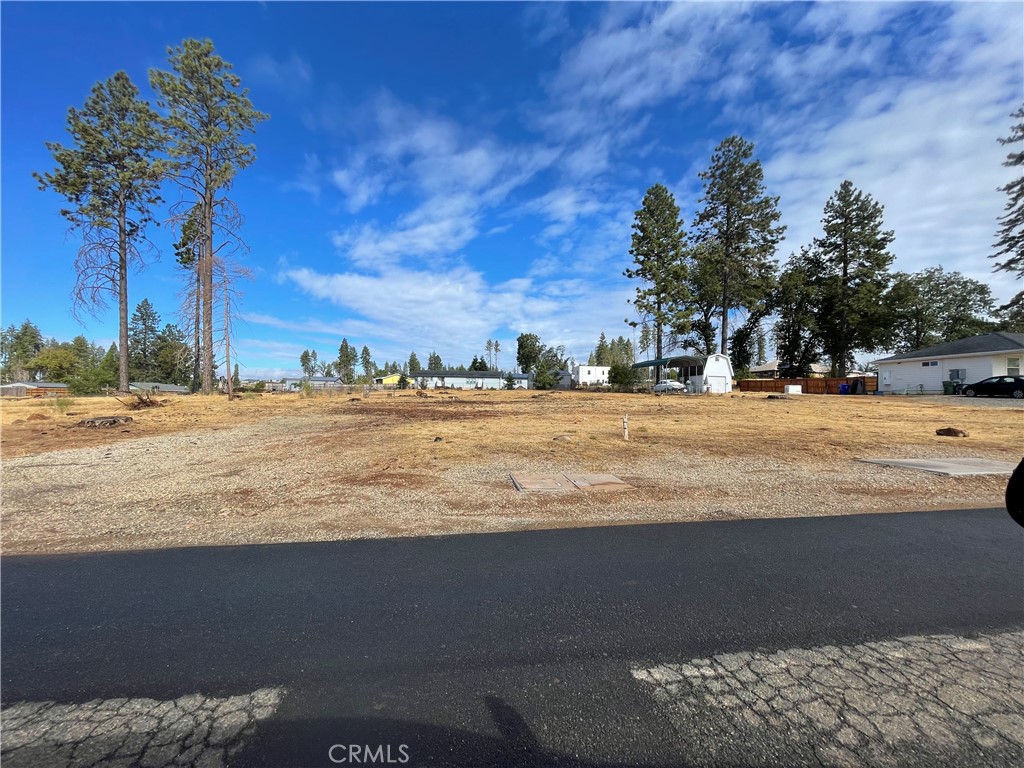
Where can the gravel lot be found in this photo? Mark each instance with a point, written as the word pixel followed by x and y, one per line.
pixel 415 467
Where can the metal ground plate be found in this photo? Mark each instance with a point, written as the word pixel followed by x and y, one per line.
pixel 541 482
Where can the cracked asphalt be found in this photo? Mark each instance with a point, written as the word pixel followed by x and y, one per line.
pixel 868 640
pixel 912 701
pixel 193 731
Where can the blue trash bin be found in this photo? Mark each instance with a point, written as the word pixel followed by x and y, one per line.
pixel 844 389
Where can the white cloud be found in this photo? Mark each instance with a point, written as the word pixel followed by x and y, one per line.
pixel 456 311
pixel 455 175
pixel 925 148
pixel 544 21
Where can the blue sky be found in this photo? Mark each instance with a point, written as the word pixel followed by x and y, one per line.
pixel 435 175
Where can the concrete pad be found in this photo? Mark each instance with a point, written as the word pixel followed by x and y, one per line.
pixel 534 482
pixel 598 483
pixel 952 467
pixel 539 482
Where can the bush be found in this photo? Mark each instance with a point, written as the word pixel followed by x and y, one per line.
pixel 305 389
pixel 543 379
pixel 63 404
pixel 259 386
pixel 623 378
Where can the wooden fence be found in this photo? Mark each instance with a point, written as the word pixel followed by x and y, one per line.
pixel 857 384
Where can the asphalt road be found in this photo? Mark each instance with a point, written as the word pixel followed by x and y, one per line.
pixel 497 649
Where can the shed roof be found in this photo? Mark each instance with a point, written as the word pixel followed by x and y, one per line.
pixel 672 361
pixel 989 343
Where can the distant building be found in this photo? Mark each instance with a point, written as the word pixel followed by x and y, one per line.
pixel 16 389
pixel 468 379
pixel 590 375
pixel 772 370
pixel 965 360
pixel 34 389
pixel 388 379
pixel 705 374
pixel 316 382
pixel 157 387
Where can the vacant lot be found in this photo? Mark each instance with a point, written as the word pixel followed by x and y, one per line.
pixel 200 471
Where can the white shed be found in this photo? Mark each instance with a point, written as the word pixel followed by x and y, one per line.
pixel 965 360
pixel 706 374
pixel 716 376
pixel 16 389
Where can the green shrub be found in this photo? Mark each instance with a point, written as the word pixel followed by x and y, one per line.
pixel 543 378
pixel 623 378
pixel 305 389
pixel 63 404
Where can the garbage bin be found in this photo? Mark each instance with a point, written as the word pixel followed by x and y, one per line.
pixel 844 389
pixel 949 387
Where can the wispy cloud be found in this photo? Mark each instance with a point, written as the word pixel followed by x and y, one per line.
pixel 455 174
pixel 290 74
pixel 455 311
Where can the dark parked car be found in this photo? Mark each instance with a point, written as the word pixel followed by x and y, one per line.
pixel 997 386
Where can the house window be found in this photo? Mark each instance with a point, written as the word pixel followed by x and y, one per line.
pixel 932 363
pixel 957 374
pixel 1013 366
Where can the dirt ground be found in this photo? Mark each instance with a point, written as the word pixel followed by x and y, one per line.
pixel 271 468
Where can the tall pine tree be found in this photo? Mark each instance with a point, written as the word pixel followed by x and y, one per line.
pixel 850 264
pixel 658 252
pixel 1011 224
pixel 207 114
pixel 740 220
pixel 143 331
pixel 109 176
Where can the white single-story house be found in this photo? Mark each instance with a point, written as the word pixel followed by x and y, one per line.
pixel 316 382
pixel 706 374
pixel 590 375
pixel 965 360
pixel 468 379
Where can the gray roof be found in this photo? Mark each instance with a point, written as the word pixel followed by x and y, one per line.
pixel 973 345
pixel 46 385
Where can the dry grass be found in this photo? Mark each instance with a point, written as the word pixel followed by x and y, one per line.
pixel 284 468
